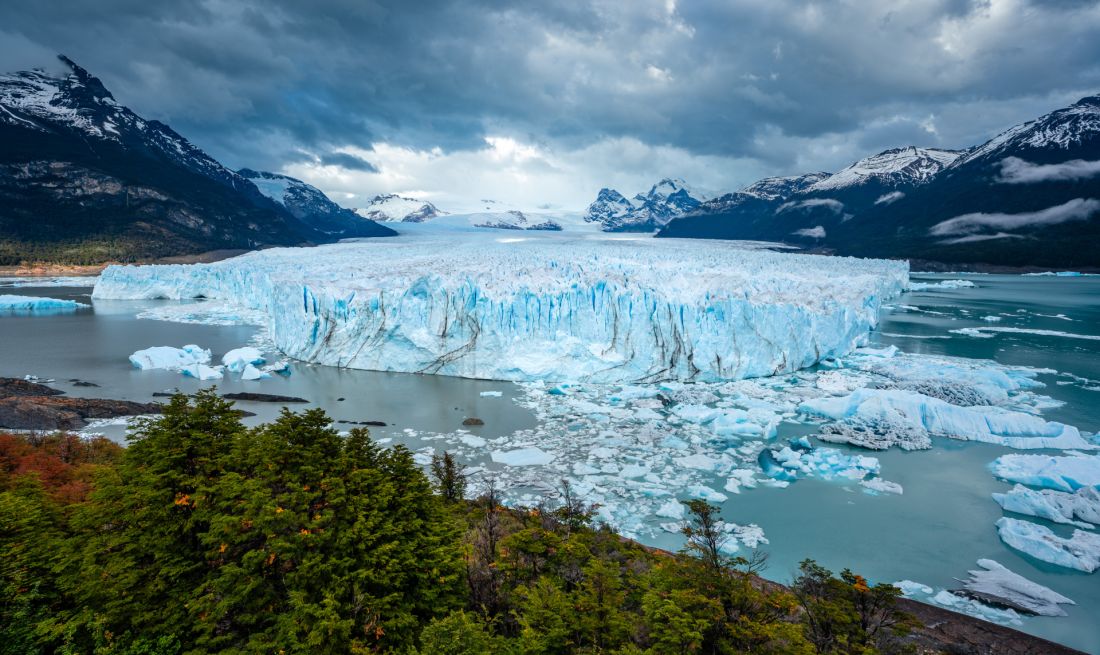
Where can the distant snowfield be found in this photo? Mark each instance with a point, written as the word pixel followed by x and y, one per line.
pixel 576 305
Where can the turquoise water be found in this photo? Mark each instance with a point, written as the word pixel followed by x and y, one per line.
pixel 933 533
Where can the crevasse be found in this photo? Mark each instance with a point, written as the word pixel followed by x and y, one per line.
pixel 553 307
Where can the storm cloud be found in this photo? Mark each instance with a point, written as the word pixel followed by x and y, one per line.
pixel 591 93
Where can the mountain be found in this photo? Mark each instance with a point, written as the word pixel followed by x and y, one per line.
pixel 308 204
pixel 513 220
pixel 83 179
pixel 392 208
pixel 647 212
pixel 1029 197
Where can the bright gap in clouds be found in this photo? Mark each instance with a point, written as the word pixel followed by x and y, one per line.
pixel 519 175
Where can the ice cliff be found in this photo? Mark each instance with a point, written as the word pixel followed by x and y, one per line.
pixel 553 307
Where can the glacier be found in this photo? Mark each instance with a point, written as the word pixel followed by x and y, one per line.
pixel 558 307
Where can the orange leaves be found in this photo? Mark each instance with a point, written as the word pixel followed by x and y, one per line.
pixel 860 584
pixel 183 500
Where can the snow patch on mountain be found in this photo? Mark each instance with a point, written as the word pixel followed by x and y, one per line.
pixel 666 200
pixel 910 165
pixel 392 208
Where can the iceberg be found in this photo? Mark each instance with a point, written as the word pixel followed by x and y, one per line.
pixel 13 303
pixel 167 357
pixel 993 583
pixel 238 359
pixel 1081 509
pixel 531 456
pixel 202 372
pixel 945 284
pixel 908 415
pixel 1080 551
pixel 554 307
pixel 1061 473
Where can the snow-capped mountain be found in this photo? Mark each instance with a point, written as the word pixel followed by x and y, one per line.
pixel 85 178
pixel 647 211
pixel 1028 197
pixel 773 188
pixel 512 219
pixel 306 202
pixel 894 167
pixel 1063 130
pixel 392 208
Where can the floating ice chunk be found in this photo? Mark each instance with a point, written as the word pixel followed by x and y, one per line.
pixel 1061 473
pixel 472 441
pixel 885 353
pixel 910 411
pixel 612 311
pixel 740 478
pixel 706 493
pixel 491 394
pixel 167 357
pixel 996 584
pixel 281 367
pixel 945 284
pixel 11 303
pixel 878 485
pixel 699 461
pixel 673 509
pixel 991 319
pixel 1081 509
pixel 789 464
pixel 1081 551
pixel 696 413
pixel 976 608
pixel 202 372
pixel 237 359
pixel 531 456
pixel 910 588
pixel 250 372
pixel 958 603
pixel 987 332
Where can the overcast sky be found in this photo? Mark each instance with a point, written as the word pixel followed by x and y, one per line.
pixel 541 103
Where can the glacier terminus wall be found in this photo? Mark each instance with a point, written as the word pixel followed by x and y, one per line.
pixel 554 307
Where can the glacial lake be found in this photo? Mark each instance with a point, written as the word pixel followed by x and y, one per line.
pixel 933 533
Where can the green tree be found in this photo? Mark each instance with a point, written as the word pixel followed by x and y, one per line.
pixel 450 480
pixel 460 633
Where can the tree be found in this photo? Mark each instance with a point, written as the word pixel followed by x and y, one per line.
pixel 459 633
pixel 450 479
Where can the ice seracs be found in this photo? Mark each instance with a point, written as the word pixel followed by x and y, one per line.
pixel 546 308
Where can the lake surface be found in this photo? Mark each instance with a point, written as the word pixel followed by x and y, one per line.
pixel 933 533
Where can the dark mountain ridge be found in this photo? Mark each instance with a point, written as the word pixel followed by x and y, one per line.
pixel 84 180
pixel 1029 197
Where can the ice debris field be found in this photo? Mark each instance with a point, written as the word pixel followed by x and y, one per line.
pixel 194 361
pixel 555 309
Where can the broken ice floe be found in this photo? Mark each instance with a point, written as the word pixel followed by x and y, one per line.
pixel 36 305
pixel 1081 508
pixel 943 284
pixel 1080 551
pixel 1067 473
pixel 994 584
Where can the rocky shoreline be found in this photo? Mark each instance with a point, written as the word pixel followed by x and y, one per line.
pixel 27 405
